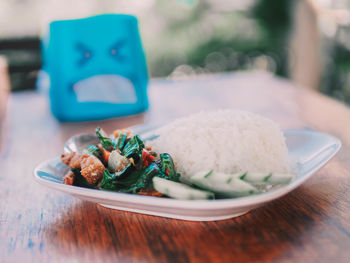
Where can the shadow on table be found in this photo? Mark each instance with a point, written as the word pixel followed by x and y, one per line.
pixel 272 232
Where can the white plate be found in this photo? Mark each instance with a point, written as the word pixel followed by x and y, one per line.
pixel 309 151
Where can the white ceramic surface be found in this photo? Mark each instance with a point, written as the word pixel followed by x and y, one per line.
pixel 308 150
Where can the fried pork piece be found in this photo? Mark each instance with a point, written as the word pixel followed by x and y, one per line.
pixel 69 178
pixel 91 168
pixel 149 192
pixel 75 162
pixel 67 157
pixel 71 159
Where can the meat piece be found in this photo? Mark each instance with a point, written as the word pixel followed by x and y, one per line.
pixel 149 192
pixel 69 178
pixel 91 168
pixel 75 162
pixel 67 157
pixel 71 159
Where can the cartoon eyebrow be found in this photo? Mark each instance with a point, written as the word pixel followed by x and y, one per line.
pixel 86 53
pixel 114 50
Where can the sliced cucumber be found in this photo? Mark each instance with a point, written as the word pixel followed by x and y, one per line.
pixel 270 178
pixel 179 190
pixel 225 185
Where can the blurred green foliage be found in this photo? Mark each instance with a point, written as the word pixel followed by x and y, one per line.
pixel 208 39
pixel 336 76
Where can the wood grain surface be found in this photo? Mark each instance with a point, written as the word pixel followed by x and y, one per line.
pixel 311 224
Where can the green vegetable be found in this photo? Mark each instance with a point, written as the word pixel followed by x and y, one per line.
pixel 131 183
pixel 80 180
pixel 143 179
pixel 133 149
pixel 147 175
pixel 126 181
pixel 94 150
pixel 108 181
pixel 121 141
pixel 106 142
pixel 127 171
pixel 270 178
pixel 168 168
pixel 224 185
pixel 179 190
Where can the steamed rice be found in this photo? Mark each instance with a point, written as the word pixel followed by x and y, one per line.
pixel 226 141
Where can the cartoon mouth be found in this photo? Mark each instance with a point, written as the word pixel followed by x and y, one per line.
pixel 105 88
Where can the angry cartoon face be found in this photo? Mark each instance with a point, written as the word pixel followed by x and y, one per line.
pixel 97 68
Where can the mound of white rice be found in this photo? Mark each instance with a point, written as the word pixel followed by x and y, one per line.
pixel 226 141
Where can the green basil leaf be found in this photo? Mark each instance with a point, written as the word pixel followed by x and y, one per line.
pixel 106 142
pixel 121 141
pixel 133 149
pixel 108 181
pixel 168 167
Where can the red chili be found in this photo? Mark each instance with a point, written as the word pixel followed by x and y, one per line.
pixel 147 158
pixel 106 155
pixel 144 154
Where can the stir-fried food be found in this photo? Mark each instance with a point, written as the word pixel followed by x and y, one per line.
pixel 119 163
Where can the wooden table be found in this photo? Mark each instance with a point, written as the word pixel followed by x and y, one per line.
pixel 311 224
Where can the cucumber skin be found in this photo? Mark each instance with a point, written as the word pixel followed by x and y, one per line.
pixel 179 190
pixel 223 185
pixel 270 178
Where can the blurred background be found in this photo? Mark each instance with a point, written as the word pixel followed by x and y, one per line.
pixel 307 41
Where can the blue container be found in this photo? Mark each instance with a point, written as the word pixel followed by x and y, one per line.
pixel 97 68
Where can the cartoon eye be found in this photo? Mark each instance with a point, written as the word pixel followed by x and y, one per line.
pixel 85 54
pixel 115 51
